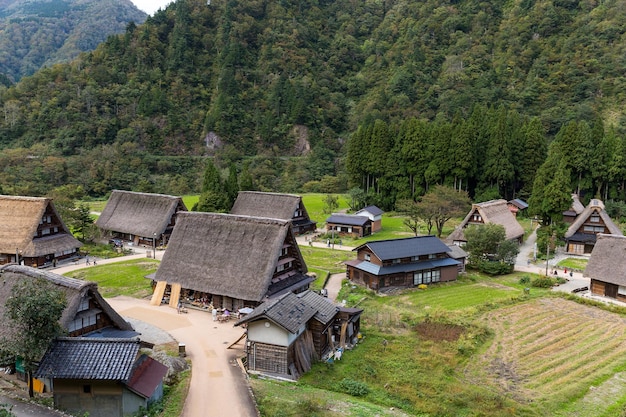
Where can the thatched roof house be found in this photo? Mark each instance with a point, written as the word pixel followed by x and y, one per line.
pixel 86 310
pixel 31 229
pixel 494 212
pixel 580 237
pixel 275 206
pixel 235 261
pixel 141 218
pixel 607 267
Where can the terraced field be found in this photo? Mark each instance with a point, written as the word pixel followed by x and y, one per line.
pixel 551 349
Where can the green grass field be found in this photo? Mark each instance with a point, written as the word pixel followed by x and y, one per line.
pixel 120 278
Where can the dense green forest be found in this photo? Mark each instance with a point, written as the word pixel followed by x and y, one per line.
pixel 40 33
pixel 392 96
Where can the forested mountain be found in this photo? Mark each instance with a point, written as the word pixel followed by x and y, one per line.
pixel 259 78
pixel 36 33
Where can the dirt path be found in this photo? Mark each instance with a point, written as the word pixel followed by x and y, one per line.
pixel 218 386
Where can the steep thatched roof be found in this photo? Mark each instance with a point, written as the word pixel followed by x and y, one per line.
pixel 491 212
pixel 271 205
pixel 140 214
pixel 595 206
pixel 608 260
pixel 227 255
pixel 576 208
pixel 19 219
pixel 74 289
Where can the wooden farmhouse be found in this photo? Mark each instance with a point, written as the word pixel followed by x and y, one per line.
pixel 33 233
pixel 86 311
pixel 287 334
pixel 402 263
pixel 140 218
pixel 489 212
pixel 580 237
pixel 607 267
pixel 349 225
pixel 229 261
pixel 275 206
pixel 374 214
pixel 101 377
pixel 570 215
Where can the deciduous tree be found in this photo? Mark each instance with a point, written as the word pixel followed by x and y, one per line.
pixel 33 311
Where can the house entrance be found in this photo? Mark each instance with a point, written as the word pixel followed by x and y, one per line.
pixel 610 290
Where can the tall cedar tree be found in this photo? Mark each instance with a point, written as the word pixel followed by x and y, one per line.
pixel 33 310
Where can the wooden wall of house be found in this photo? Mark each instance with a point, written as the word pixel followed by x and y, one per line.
pixel 597 287
pixel 449 273
pixel 377 225
pixel 263 357
pixel 321 335
pixel 103 400
pixel 366 251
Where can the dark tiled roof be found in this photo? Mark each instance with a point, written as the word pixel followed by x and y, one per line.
pixel 326 310
pixel 90 359
pixel 348 219
pixel 146 376
pixel 406 248
pixel 589 238
pixel 288 311
pixel 373 210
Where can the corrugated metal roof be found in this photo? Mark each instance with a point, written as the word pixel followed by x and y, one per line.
pixel 147 375
pixel 373 210
pixel 348 219
pixel 406 267
pixel 407 247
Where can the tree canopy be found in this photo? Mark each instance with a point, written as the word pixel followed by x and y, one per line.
pixel 33 311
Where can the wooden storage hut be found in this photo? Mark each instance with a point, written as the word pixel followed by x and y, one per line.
pixel 275 206
pixel 32 232
pixel 349 225
pixel 607 267
pixel 489 212
pixel 580 237
pixel 230 261
pixel 374 214
pixel 322 322
pixel 101 377
pixel 140 218
pixel 279 341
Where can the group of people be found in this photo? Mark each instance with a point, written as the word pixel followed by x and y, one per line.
pixel 571 273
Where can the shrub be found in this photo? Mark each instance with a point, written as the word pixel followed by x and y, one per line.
pixel 543 282
pixel 524 280
pixel 354 388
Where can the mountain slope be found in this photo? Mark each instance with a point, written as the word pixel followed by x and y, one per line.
pixel 41 33
pixel 251 71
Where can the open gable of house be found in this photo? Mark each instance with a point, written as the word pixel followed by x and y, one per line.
pixel 20 218
pixel 595 206
pixel 140 214
pixel 76 292
pixel 233 256
pixel 490 212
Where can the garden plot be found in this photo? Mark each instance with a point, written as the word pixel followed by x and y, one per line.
pixel 551 351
